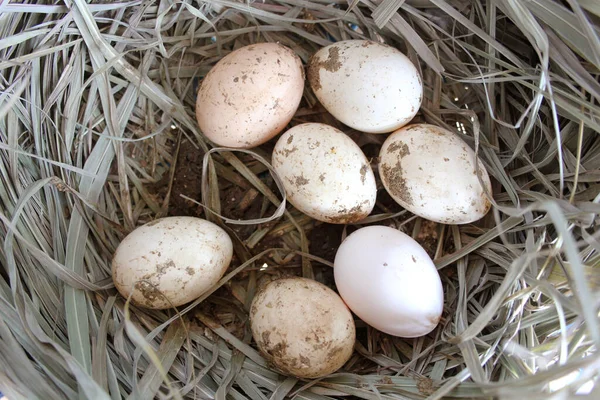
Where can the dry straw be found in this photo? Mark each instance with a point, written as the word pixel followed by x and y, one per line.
pixel 96 120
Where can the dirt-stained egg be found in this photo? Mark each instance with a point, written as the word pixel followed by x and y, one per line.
pixel 389 281
pixel 325 173
pixel 432 172
pixel 302 327
pixel 250 95
pixel 366 85
pixel 171 261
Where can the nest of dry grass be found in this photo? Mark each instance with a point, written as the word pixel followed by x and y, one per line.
pixel 97 136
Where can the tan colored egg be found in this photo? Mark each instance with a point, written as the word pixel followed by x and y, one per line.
pixel 250 95
pixel 302 327
pixel 432 172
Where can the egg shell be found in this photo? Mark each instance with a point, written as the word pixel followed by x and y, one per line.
pixel 250 95
pixel 431 172
pixel 171 261
pixel 389 281
pixel 366 85
pixel 325 174
pixel 302 327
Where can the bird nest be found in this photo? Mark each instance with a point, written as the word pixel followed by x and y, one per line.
pixel 98 136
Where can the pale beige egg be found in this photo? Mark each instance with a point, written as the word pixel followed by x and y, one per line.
pixel 171 261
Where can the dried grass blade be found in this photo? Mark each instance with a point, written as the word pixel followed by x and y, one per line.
pixel 413 39
pixel 169 348
pixel 567 25
pixel 234 367
pixel 229 338
pixel 582 291
pixel 591 5
pixel 443 5
pixel 385 10
pixel 283 389
pixel 251 390
pixel 500 229
pixel 23 374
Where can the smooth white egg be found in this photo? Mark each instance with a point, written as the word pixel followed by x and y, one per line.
pixel 325 174
pixel 171 261
pixel 367 85
pixel 388 280
pixel 431 172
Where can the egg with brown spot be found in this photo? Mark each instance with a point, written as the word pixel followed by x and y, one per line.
pixel 171 261
pixel 302 327
pixel 366 85
pixel 325 173
pixel 250 95
pixel 431 172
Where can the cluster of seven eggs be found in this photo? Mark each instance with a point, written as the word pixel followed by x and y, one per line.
pixel 386 278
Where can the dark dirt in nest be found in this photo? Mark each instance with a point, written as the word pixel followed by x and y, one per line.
pixel 428 236
pixel 236 202
pixel 324 240
pixel 187 181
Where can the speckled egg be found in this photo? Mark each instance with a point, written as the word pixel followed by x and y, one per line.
pixel 431 172
pixel 325 173
pixel 302 327
pixel 366 85
pixel 250 95
pixel 171 261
